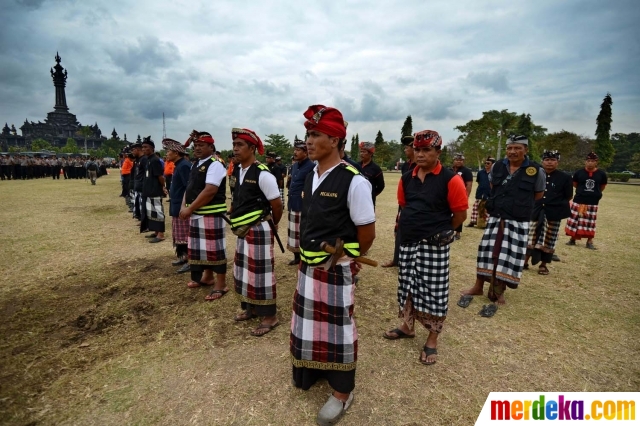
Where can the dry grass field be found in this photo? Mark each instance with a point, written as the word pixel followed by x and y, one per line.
pixel 96 328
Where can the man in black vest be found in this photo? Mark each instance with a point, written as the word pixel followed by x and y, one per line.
pixel 139 164
pixel 301 167
pixel 153 190
pixel 408 165
pixel 370 170
pixel 204 203
pixel 467 177
pixel 479 213
pixel 256 211
pixel 516 182
pixel 336 203
pixel 435 202
pixel 180 179
pixel 548 213
pixel 589 183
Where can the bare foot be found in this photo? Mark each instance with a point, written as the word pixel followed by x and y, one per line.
pixel 473 291
pixel 501 300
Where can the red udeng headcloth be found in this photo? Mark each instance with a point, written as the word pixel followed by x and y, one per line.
pixel 248 136
pixel 326 120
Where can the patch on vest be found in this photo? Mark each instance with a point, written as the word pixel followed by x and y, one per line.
pixel 329 194
pixel 531 171
pixel 250 181
pixel 202 169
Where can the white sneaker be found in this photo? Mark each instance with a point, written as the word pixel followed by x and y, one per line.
pixel 333 410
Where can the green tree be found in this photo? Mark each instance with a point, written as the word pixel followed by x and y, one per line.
pixel 71 147
pixel 278 144
pixel 112 147
pixel 603 146
pixel 534 133
pixel 379 139
pixel 355 154
pixel 407 127
pixel 573 148
pixel 85 132
pixel 634 164
pixel 354 146
pixel 40 144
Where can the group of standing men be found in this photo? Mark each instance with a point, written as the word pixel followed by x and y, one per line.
pixel 24 167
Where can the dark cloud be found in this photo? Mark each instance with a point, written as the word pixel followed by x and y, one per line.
pixel 146 56
pixel 30 4
pixel 495 81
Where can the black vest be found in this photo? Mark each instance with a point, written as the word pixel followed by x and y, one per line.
pixel 513 197
pixel 325 216
pixel 197 183
pixel 427 210
pixel 250 205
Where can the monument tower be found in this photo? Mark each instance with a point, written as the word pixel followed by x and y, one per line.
pixel 59 81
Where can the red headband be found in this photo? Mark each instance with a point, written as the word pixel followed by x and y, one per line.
pixel 197 136
pixel 326 120
pixel 248 136
pixel 426 139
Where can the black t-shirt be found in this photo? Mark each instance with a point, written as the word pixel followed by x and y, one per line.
pixel 151 185
pixel 588 186
pixel 465 174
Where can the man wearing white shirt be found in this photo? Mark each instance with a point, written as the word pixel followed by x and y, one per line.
pixel 336 203
pixel 203 204
pixel 255 213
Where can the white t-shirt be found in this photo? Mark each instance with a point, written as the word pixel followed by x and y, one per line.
pixel 359 198
pixel 267 183
pixel 215 173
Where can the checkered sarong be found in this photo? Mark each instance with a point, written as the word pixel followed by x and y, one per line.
pixel 282 197
pixel 207 243
pixel 179 230
pixel 512 250
pixel 474 212
pixel 547 237
pixel 423 276
pixel 253 266
pixel 293 240
pixel 582 222
pixel 154 211
pixel 323 330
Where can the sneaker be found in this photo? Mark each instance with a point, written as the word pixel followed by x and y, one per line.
pixel 571 243
pixel 333 410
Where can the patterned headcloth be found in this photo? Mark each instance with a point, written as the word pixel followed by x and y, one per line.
pixel 248 136
pixel 297 143
pixel 490 158
pixel 326 120
pixel 172 145
pixel 592 156
pixel 426 139
pixel 197 136
pixel 136 145
pixel 550 154
pixel 368 146
pixel 407 140
pixel 518 139
pixel 147 140
pixel 271 154
pixel 458 156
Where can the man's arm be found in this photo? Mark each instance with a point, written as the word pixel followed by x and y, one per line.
pixel 276 209
pixel 458 218
pixel 366 235
pixel 379 183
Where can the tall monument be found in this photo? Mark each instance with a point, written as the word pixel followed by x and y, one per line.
pixel 59 81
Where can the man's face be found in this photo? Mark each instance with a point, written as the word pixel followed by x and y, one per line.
pixel 426 158
pixel 365 155
pixel 516 152
pixel 242 150
pixel 299 154
pixel 202 149
pixel 458 162
pixel 487 165
pixel 591 164
pixel 147 149
pixel 408 151
pixel 549 164
pixel 136 152
pixel 270 160
pixel 172 156
pixel 320 145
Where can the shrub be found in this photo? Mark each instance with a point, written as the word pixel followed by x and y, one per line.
pixel 619 177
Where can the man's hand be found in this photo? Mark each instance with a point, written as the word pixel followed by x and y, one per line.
pixel 185 213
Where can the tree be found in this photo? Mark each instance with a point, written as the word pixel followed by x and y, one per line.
pixel 603 146
pixel 534 133
pixel 407 127
pixel 85 132
pixel 71 147
pixel 40 144
pixel 354 147
pixel 634 164
pixel 573 148
pixel 379 140
pixel 278 144
pixel 355 155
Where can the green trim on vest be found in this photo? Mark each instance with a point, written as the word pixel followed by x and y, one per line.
pixel 210 209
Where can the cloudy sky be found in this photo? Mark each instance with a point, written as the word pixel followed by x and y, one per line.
pixel 213 65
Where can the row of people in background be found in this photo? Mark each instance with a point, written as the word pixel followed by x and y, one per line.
pixel 23 167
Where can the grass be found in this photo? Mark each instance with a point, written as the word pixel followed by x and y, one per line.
pixel 98 329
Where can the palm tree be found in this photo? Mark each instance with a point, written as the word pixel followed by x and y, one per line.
pixel 85 131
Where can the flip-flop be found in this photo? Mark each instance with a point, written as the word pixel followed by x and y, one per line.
pixel 488 311
pixel 543 270
pixel 210 296
pixel 267 327
pixel 194 284
pixel 465 300
pixel 428 351
pixel 156 240
pixel 399 335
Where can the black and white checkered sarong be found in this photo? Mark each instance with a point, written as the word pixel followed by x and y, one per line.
pixel 293 232
pixel 423 275
pixel 546 238
pixel 512 251
pixel 154 213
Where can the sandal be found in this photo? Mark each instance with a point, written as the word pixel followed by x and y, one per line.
pixel 465 300
pixel 399 334
pixel 427 351
pixel 214 294
pixel 268 327
pixel 543 270
pixel 488 311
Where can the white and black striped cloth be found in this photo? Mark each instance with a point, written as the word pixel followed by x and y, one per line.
pixel 253 266
pixel 511 253
pixel 293 232
pixel 154 213
pixel 282 197
pixel 207 240
pixel 546 237
pixel 423 275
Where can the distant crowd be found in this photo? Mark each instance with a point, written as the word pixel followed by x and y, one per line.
pixel 25 167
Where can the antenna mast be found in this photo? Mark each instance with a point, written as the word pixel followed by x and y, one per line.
pixel 164 128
